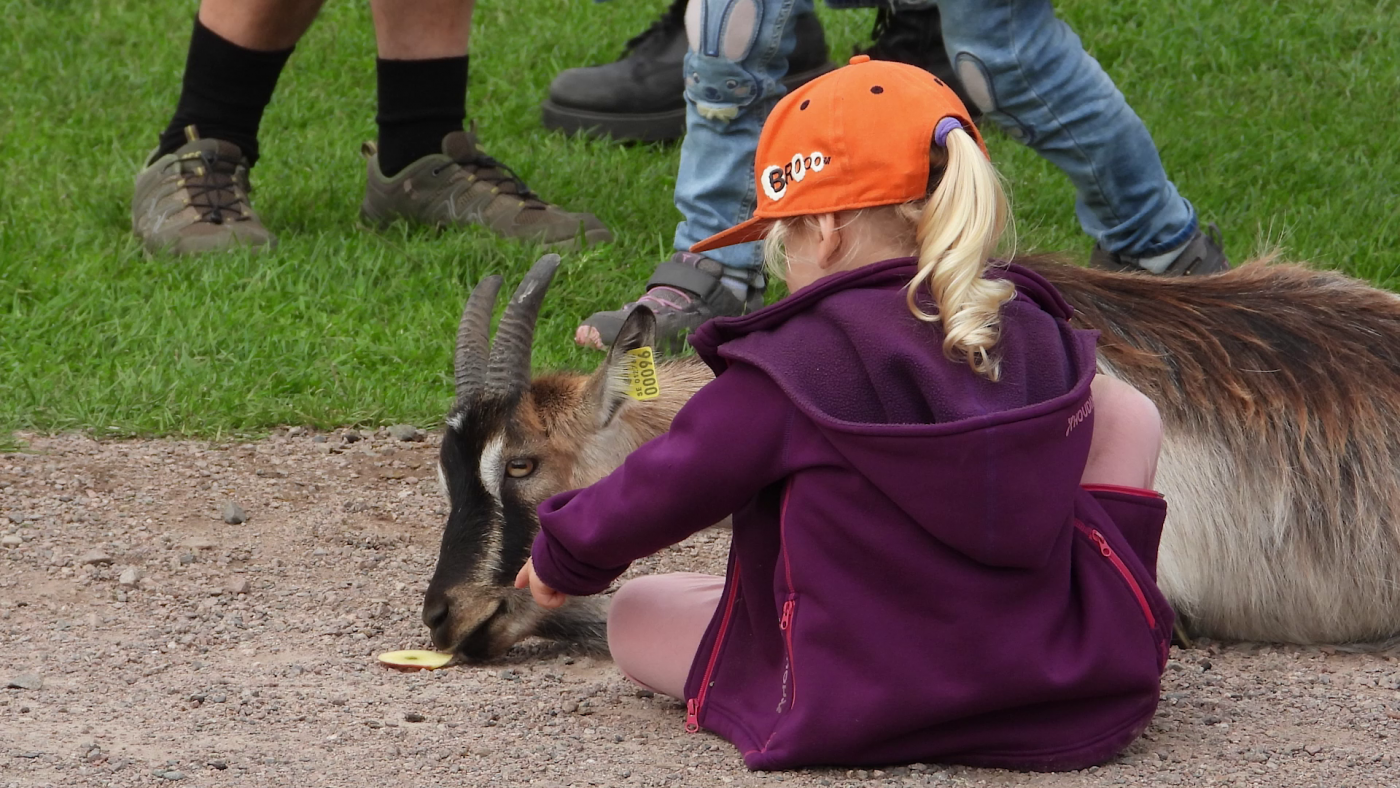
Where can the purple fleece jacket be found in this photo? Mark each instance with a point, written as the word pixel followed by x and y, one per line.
pixel 916 573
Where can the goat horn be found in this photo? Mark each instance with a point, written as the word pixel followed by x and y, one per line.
pixel 473 337
pixel 509 369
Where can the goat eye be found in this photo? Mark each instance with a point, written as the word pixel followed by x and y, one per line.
pixel 519 469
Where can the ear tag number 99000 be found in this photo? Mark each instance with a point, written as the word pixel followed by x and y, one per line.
pixel 641 375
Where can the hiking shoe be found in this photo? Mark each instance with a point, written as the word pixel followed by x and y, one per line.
pixel 684 292
pixel 195 199
pixel 1202 255
pixel 915 37
pixel 463 186
pixel 641 96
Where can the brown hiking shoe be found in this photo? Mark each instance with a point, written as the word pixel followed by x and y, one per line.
pixel 196 200
pixel 463 186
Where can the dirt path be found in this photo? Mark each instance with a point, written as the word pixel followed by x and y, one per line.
pixel 242 655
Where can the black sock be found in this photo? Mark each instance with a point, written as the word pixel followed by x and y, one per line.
pixel 226 88
pixel 420 102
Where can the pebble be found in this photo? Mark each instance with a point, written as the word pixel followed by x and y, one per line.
pixel 11 540
pixel 129 577
pixel 319 439
pixel 95 557
pixel 405 432
pixel 238 585
pixel 26 681
pixel 414 716
pixel 233 513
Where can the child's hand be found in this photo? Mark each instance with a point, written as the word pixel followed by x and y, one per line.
pixel 545 596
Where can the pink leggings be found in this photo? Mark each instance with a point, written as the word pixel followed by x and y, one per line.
pixel 656 622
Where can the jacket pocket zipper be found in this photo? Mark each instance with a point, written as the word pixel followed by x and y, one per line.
pixel 1141 492
pixel 1107 552
pixel 789 607
pixel 695 704
pixel 789 670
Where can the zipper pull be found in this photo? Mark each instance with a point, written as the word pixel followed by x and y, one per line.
pixel 1102 543
pixel 786 620
pixel 692 716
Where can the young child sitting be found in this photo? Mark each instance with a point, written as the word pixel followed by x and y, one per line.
pixel 943 534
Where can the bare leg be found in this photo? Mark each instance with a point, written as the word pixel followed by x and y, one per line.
pixel 422 29
pixel 655 624
pixel 1127 436
pixel 264 25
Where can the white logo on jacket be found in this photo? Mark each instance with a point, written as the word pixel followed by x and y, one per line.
pixel 1080 415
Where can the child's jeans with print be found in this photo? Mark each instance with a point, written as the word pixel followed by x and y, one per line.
pixel 1026 69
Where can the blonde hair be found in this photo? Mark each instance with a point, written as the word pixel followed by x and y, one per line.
pixel 956 229
pixel 959 227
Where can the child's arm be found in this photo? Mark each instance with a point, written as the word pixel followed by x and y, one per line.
pixel 1127 436
pixel 544 596
pixel 724 446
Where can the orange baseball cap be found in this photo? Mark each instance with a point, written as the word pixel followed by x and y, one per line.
pixel 856 137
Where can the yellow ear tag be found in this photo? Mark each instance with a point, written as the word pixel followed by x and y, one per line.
pixel 641 375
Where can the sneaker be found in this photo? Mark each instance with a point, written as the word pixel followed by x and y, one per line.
pixel 641 96
pixel 1202 255
pixel 915 37
pixel 684 292
pixel 195 199
pixel 463 186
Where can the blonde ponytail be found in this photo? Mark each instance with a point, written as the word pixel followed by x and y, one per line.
pixel 958 229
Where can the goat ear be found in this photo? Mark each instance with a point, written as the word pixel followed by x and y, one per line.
pixel 609 390
pixel 638 330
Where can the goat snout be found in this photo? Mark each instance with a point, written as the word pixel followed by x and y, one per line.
pixel 435 609
pixel 466 621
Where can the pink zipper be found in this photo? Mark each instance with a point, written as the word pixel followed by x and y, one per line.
pixel 785 624
pixel 785 621
pixel 1141 492
pixel 693 706
pixel 1107 552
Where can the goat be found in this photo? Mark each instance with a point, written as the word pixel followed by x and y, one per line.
pixel 1278 386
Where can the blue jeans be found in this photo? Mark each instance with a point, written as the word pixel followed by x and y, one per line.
pixel 733 77
pixel 1029 74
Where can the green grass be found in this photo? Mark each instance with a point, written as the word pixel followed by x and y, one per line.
pixel 1276 119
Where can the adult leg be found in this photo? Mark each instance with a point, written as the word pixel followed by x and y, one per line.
pixel 427 168
pixel 237 53
pixel 734 68
pixel 1127 436
pixel 1028 72
pixel 192 194
pixel 655 624
pixel 641 95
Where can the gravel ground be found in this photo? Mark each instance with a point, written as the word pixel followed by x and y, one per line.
pixel 153 642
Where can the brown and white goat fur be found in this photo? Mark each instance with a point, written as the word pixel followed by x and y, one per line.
pixel 1278 386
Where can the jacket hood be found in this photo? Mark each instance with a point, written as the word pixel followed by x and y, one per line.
pixel 990 469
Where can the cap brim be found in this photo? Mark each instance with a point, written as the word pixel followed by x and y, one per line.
pixel 752 230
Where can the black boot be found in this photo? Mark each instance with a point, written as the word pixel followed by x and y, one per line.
pixel 641 96
pixel 916 37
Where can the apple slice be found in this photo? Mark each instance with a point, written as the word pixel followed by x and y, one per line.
pixel 413 659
